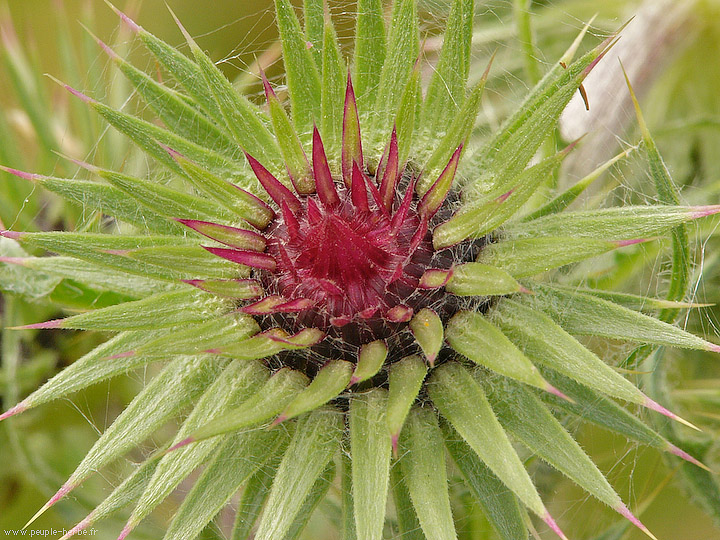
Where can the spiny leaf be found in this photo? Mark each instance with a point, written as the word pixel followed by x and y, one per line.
pixel 163 200
pixel 562 201
pixel 463 403
pixel 329 382
pixel 234 385
pixel 402 51
pixel 268 401
pixel 315 441
pixel 218 482
pixel 499 504
pixel 161 399
pixel 406 378
pixel 303 79
pixel 588 315
pixel 159 311
pixel 621 223
pixel 477 279
pixel 333 93
pixel 531 256
pixel 475 337
pixel 244 119
pixel 370 450
pixel 423 465
pixel 101 197
pixel 525 416
pixel 446 91
pixel 174 110
pixel 479 218
pixel 369 52
pixel 215 332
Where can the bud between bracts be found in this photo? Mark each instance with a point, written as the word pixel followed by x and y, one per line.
pixel 386 293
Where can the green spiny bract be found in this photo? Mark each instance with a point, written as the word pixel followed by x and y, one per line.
pixel 388 296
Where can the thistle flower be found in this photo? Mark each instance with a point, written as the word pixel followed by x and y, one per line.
pixel 352 276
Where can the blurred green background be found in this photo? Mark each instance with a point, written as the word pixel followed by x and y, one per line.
pixel 39 449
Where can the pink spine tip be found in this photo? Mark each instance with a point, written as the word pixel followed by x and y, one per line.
pixel 504 197
pixel 703 211
pixel 55 323
pixel 132 25
pixel 13 235
pixel 353 380
pixel 105 47
pixel 655 406
pixel 126 354
pixel 20 174
pixel 308 45
pixel 269 92
pixel 682 454
pixel 623 243
pixel 400 314
pixel 84 524
pixel 623 511
pixel 127 529
pixel 431 359
pixel 394 442
pixel 279 420
pixel 121 252
pixel 715 348
pixel 13 260
pixel 525 290
pixel 182 443
pixel 78 94
pixel 173 153
pixel 554 391
pixel 17 409
pixel 547 518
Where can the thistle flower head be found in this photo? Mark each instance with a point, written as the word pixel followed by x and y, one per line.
pixel 363 276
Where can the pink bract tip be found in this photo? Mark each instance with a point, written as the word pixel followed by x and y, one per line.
pixel 623 511
pixel 280 419
pixel 554 391
pixel 127 20
pixel 504 197
pixel 715 348
pixel 20 174
pixel 13 260
pixel 547 518
pixel 77 528
pixel 525 290
pixel 127 529
pixel 623 243
pixel 17 409
pixel 394 442
pixel 703 211
pixel 79 94
pixel 182 443
pixel 52 324
pixel 105 47
pixel 13 235
pixel 126 354
pixel 353 380
pixel 67 487
pixel 655 406
pixel 682 454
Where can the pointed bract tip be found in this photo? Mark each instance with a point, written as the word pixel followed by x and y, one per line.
pixel 394 438
pixel 126 354
pixel 179 445
pixel 570 147
pixel 623 243
pixel 52 324
pixel 77 528
pixel 353 380
pixel 655 406
pixel 504 197
pixel 12 411
pixel 704 211
pixel 20 174
pixel 715 348
pixel 12 235
pixel 555 392
pixel 64 490
pixel 547 518
pixel 104 46
pixel 279 420
pixel 623 511
pixel 83 164
pixel 78 94
pixel 173 153
pixel 525 290
pixel 127 529
pixel 127 20
pixel 682 454
pixel 486 73
pixel 269 92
